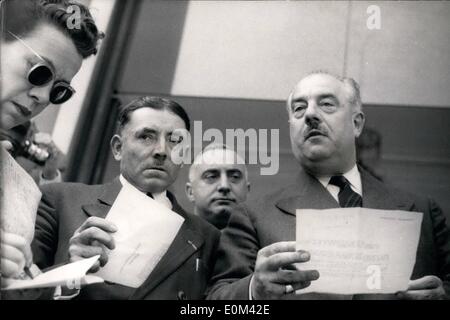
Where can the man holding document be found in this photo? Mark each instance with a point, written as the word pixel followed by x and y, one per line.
pixel 399 248
pixel 149 247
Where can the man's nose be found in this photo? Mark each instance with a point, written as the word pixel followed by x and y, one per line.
pixel 224 185
pixel 41 95
pixel 312 117
pixel 159 150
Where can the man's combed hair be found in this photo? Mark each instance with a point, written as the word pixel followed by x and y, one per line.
pixel 83 32
pixel 152 102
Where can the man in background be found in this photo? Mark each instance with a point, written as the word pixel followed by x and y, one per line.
pixel 218 182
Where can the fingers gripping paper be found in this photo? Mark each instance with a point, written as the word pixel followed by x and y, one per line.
pixel 19 198
pixel 146 229
pixel 72 275
pixel 358 250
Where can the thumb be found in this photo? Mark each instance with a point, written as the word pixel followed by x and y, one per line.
pixel 6 144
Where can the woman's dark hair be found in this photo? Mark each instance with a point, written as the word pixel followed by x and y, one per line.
pixel 72 18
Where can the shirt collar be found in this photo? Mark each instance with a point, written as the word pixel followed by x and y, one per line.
pixel 353 176
pixel 126 184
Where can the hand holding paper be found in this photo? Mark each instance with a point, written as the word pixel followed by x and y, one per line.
pixel 145 230
pixel 69 275
pixel 92 238
pixel 273 271
pixel 15 254
pixel 425 288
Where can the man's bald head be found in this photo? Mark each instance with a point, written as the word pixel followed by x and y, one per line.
pixel 218 181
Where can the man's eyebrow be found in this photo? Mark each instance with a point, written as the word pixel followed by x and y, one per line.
pixel 327 95
pixel 298 99
pixel 210 171
pixel 146 130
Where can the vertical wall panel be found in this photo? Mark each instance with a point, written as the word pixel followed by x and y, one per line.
pixel 407 61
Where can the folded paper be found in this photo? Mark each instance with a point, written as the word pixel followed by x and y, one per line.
pixel 72 275
pixel 19 198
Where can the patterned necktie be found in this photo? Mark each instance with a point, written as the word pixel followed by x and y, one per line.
pixel 347 197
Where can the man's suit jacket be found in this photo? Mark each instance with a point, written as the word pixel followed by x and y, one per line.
pixel 65 206
pixel 272 219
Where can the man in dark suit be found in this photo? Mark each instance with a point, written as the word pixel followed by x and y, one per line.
pixel 71 219
pixel 257 252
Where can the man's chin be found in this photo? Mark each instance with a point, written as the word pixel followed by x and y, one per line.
pixel 220 209
pixel 316 153
pixel 155 185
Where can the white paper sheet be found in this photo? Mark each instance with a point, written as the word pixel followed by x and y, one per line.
pixel 19 198
pixel 146 229
pixel 72 275
pixel 358 250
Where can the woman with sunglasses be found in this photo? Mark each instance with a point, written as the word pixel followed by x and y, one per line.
pixel 40 55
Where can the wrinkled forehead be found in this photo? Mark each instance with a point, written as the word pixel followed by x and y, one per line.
pixel 318 85
pixel 158 120
pixel 219 157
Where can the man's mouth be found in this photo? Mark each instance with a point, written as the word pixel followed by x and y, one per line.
pixel 314 133
pixel 224 200
pixel 23 110
pixel 157 168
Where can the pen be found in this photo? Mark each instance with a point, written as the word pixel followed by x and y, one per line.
pixel 28 272
pixel 197 264
pixel 32 271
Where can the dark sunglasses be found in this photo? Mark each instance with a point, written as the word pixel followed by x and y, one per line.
pixel 41 74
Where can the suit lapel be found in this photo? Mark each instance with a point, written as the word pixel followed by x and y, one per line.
pixel 377 196
pixel 105 200
pixel 306 193
pixel 185 244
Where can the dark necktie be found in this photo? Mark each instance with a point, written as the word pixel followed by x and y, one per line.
pixel 347 197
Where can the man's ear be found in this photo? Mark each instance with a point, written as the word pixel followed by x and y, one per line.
pixel 248 191
pixel 116 147
pixel 358 123
pixel 189 192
